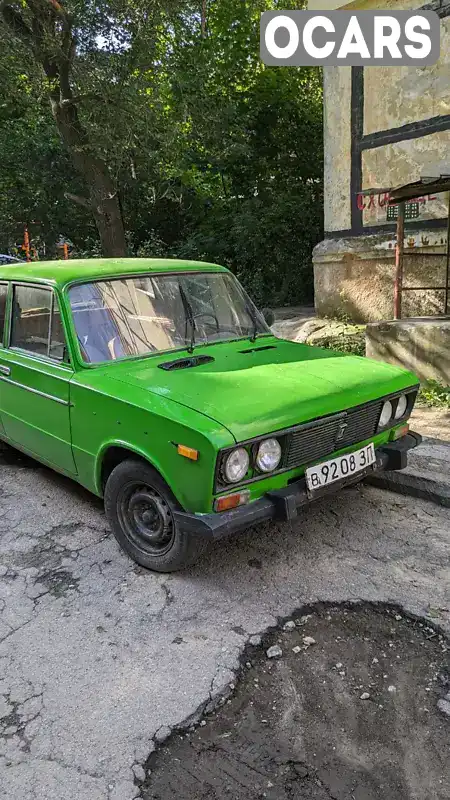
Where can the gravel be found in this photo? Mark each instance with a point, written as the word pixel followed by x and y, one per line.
pixel 444 706
pixel 274 652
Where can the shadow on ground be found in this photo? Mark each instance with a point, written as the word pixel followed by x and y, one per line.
pixel 348 711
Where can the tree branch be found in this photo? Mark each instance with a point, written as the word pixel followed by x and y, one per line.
pixel 79 98
pixel 82 201
pixel 59 10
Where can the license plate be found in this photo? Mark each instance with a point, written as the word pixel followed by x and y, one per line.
pixel 339 468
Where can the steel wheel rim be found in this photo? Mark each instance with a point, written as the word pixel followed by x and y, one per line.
pixel 145 518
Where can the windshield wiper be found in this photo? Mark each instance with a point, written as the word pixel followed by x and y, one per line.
pixel 250 311
pixel 189 316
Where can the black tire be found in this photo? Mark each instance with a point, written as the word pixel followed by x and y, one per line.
pixel 139 507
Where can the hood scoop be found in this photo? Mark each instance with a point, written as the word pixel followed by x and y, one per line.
pixel 185 363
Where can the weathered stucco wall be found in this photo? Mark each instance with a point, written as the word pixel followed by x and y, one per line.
pixel 337 102
pixel 393 96
pixel 404 162
pixel 409 94
pixel 346 277
pixel 355 277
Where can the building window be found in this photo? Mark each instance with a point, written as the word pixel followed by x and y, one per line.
pixel 412 211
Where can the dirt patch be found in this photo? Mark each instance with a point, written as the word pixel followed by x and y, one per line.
pixel 431 422
pixel 347 712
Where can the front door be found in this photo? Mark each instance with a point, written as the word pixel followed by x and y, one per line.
pixel 35 378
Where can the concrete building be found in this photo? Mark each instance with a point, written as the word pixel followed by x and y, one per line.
pixel 384 127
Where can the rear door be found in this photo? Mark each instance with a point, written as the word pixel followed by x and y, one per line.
pixel 35 377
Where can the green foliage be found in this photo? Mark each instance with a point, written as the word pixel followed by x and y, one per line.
pixel 35 169
pixel 153 247
pixel 215 156
pixel 434 395
pixel 349 341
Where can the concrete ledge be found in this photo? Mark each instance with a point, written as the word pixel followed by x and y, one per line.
pixel 412 485
pixel 427 475
pixel 355 276
pixel 421 345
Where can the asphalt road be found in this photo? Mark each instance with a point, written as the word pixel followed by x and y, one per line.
pixel 99 659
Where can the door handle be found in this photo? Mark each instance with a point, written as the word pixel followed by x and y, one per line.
pixel 5 370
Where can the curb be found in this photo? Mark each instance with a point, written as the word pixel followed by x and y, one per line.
pixel 427 475
pixel 413 486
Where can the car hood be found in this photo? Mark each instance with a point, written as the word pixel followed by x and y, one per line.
pixel 253 389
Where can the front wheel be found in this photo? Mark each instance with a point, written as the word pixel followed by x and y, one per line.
pixel 139 507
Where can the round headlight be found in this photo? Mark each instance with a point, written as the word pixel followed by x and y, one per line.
pixel 402 405
pixel 269 455
pixel 236 465
pixel 386 414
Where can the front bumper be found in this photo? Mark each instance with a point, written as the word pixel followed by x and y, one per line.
pixel 283 504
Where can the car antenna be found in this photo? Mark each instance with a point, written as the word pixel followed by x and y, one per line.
pixel 190 316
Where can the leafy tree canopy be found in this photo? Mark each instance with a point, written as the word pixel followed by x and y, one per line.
pixel 153 128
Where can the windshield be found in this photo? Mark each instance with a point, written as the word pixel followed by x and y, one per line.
pixel 153 313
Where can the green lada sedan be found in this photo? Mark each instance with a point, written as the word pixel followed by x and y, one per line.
pixel 158 385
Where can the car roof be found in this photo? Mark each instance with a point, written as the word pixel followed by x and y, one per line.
pixel 60 273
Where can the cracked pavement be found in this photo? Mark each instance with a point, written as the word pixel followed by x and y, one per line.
pixel 99 659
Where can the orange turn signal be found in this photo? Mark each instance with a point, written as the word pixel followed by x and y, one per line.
pixel 401 432
pixel 187 452
pixel 231 501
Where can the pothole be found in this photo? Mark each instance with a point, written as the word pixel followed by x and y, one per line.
pixel 59 582
pixel 348 711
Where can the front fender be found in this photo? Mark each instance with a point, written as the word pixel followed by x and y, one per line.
pixel 132 449
pixel 151 431
pixel 191 482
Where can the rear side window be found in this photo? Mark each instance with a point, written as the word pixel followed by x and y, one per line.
pixel 3 296
pixel 36 322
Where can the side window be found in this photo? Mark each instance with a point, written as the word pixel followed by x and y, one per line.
pixel 36 322
pixel 3 296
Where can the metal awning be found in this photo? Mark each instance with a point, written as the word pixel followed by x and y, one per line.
pixel 399 196
pixel 426 185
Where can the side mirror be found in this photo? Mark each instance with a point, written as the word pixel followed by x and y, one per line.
pixel 269 316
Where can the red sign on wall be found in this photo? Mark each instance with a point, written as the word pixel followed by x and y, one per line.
pixel 368 202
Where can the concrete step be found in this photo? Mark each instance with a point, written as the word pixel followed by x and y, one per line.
pixel 427 475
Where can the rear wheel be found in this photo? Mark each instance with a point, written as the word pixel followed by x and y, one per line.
pixel 139 506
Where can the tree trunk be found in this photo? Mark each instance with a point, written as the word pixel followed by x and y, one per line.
pixel 103 195
pixel 203 18
pixel 108 217
pixel 50 38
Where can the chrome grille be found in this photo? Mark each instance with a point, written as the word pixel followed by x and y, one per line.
pixel 320 439
pixel 362 423
pixel 312 442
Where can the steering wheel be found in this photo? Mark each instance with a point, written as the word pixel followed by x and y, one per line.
pixel 211 316
pixel 218 326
